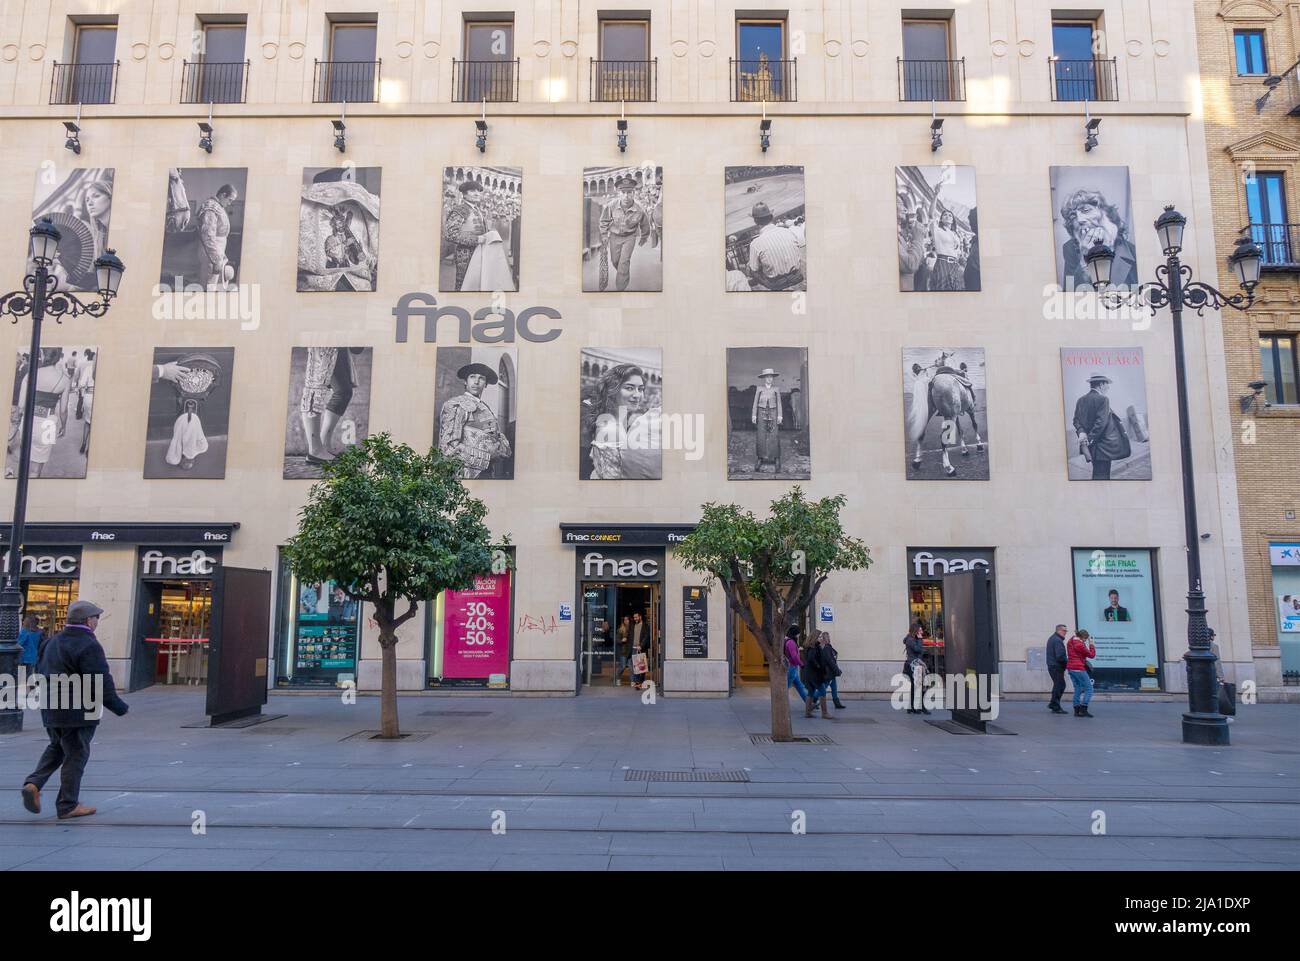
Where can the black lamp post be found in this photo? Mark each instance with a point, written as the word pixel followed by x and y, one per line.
pixel 1175 289
pixel 40 296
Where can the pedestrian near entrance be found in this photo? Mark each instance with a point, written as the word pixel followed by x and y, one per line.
pixel 622 650
pixel 814 677
pixel 29 638
pixel 1078 651
pixel 1056 661
pixel 793 662
pixel 831 659
pixel 640 645
pixel 73 651
pixel 914 667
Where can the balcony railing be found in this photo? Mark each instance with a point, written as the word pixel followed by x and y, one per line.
pixel 207 82
pixel 84 82
pixel 932 79
pixel 1280 245
pixel 1084 79
pixel 496 81
pixel 772 80
pixel 346 81
pixel 615 80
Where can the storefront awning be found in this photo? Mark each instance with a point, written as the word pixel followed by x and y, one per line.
pixel 139 532
pixel 623 535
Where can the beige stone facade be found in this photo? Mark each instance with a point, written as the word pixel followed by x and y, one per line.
pixel 1246 141
pixel 848 130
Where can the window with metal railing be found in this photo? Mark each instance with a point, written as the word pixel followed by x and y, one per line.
pixel 346 81
pixel 209 82
pixel 496 81
pixel 763 79
pixel 91 77
pixel 1095 79
pixel 616 80
pixel 932 79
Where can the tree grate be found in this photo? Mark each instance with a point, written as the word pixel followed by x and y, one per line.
pixel 797 739
pixel 404 737
pixel 274 730
pixel 708 776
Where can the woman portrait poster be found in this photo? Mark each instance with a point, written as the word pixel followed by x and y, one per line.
pixel 79 202
pixel 938 228
pixel 65 392
pixel 619 415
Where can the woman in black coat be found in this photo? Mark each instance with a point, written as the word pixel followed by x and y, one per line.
pixel 815 677
pixel 914 648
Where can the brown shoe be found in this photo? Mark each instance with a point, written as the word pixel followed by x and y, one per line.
pixel 825 708
pixel 807 707
pixel 80 811
pixel 32 798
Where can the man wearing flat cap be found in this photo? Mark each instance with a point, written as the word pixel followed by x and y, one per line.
pixel 624 226
pixel 73 652
pixel 1101 435
pixel 774 254
pixel 468 427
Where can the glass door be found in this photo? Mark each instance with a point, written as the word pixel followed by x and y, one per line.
pixel 1266 208
pixel 926 607
pixel 599 602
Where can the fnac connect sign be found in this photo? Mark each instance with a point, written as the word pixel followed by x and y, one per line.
pixel 490 325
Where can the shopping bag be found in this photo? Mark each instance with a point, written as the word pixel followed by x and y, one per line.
pixel 640 664
pixel 1227 699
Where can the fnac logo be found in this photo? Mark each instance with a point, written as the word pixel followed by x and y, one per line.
pixel 489 325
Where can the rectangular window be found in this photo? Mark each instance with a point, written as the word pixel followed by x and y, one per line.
pixel 492 40
pixel 761 66
pixel 1078 73
pixel 488 70
pixel 623 70
pixel 1277 368
pixel 1072 39
pixel 625 40
pixel 1252 60
pixel 1266 208
pixel 220 68
pixel 93 63
pixel 927 67
pixel 319 630
pixel 352 77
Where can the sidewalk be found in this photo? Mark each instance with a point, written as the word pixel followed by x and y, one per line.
pixel 891 792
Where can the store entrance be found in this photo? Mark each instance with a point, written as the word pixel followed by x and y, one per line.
pixel 926 606
pixel 609 627
pixel 751 665
pixel 173 631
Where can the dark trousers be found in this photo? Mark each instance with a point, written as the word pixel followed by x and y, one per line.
pixel 1101 470
pixel 1058 685
pixel 69 747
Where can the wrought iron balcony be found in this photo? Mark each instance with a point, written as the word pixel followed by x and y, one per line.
pixel 84 82
pixel 208 82
pixel 932 79
pixel 616 80
pixel 1280 245
pixel 1095 79
pixel 763 79
pixel 496 81
pixel 346 81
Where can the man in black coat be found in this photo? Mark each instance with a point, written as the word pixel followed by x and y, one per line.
pixel 1101 435
pixel 74 651
pixel 1056 659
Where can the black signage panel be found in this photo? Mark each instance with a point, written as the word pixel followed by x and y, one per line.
pixel 695 622
pixel 130 533
pixel 624 535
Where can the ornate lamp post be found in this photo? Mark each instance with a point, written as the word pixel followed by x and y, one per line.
pixel 40 296
pixel 1175 289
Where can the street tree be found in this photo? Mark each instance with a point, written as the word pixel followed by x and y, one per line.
pixel 776 564
pixel 392 528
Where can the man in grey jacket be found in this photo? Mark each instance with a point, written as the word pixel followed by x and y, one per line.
pixel 1056 659
pixel 74 651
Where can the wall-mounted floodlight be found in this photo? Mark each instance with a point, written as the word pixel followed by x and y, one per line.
pixel 73 142
pixel 1251 401
pixel 936 128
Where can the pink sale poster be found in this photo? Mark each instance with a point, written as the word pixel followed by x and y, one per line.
pixel 476 629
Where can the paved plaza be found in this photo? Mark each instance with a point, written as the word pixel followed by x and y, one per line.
pixel 603 782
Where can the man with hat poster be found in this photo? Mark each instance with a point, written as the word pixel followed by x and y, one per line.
pixel 73 652
pixel 468 428
pixel 1101 434
pixel 624 226
pixel 774 256
pixel 766 416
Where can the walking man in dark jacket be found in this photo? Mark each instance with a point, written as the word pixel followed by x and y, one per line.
pixel 74 651
pixel 1056 659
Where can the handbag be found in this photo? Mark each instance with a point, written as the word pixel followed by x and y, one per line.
pixel 1228 698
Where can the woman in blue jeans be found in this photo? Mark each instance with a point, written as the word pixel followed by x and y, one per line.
pixel 793 663
pixel 1077 652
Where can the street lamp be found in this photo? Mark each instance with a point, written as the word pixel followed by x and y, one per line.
pixel 40 296
pixel 1175 289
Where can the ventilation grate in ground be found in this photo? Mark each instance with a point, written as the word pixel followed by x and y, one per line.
pixel 708 776
pixel 454 713
pixel 406 737
pixel 797 739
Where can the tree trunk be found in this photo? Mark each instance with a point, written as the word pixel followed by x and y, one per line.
pixel 780 698
pixel 388 689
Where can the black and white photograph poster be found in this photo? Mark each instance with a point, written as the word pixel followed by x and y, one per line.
pixel 945 413
pixel 767 414
pixel 482 208
pixel 203 233
pixel 1092 204
pixel 476 407
pixel 622 228
pixel 338 229
pixel 79 202
pixel 620 414
pixel 189 412
pixel 938 228
pixel 766 246
pixel 329 407
pixel 1107 433
pixel 65 394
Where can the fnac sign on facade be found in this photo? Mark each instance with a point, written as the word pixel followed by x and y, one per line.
pixel 489 325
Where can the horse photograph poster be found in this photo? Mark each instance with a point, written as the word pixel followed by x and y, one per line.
pixel 620 414
pixel 79 203
pixel 1091 204
pixel 945 407
pixel 622 228
pixel 329 407
pixel 482 210
pixel 1107 435
pixel 767 414
pixel 938 228
pixel 476 407
pixel 338 229
pixel 766 245
pixel 65 393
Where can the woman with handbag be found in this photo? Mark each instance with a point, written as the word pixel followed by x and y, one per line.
pixel 1077 652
